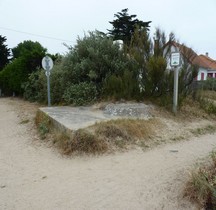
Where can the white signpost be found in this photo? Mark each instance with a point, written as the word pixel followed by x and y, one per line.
pixel 47 64
pixel 175 62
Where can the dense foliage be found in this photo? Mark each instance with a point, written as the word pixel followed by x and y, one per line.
pixel 83 75
pixel 124 26
pixel 97 68
pixel 4 53
pixel 27 58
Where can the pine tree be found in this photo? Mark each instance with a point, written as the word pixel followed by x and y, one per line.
pixel 124 26
pixel 4 53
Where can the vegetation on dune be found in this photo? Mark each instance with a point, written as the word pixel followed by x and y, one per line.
pixel 201 188
pixel 96 68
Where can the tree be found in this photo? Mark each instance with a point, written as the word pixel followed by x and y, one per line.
pixel 150 61
pixel 4 53
pixel 124 26
pixel 27 58
pixel 32 52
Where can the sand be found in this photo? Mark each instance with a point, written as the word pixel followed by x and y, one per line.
pixel 35 176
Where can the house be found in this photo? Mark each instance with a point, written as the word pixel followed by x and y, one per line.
pixel 207 66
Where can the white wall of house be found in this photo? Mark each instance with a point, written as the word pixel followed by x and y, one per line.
pixel 202 74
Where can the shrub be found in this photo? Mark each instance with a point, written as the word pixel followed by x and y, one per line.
pixel 80 94
pixel 35 89
pixel 206 100
pixel 92 59
pixel 122 87
pixel 13 76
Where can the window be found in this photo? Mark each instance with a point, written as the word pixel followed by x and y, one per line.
pixel 210 75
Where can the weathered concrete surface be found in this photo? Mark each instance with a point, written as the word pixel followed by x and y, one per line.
pixel 73 118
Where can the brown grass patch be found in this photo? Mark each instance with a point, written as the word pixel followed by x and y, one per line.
pixel 105 136
pixel 201 188
pixel 82 141
pixel 122 133
pixel 209 94
pixel 43 124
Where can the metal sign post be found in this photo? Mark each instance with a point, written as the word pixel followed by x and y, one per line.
pixel 175 93
pixel 47 64
pixel 175 62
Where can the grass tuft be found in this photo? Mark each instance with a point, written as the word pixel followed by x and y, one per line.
pixel 83 141
pixel 43 123
pixel 201 188
pixel 210 129
pixel 121 133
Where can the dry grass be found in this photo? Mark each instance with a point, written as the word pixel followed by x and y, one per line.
pixel 43 124
pixel 81 141
pixel 125 128
pixel 209 94
pixel 105 136
pixel 123 133
pixel 201 188
pixel 207 101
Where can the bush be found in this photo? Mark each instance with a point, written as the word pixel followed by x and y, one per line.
pixel 122 87
pixel 78 78
pixel 206 100
pixel 13 76
pixel 35 89
pixel 92 59
pixel 80 94
pixel 209 84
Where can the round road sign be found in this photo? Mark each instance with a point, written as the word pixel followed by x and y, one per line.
pixel 47 63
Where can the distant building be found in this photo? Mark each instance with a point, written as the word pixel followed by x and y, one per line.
pixel 207 66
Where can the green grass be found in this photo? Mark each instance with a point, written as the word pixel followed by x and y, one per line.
pixel 209 129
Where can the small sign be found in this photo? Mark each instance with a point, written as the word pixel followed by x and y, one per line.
pixel 47 63
pixel 47 73
pixel 175 59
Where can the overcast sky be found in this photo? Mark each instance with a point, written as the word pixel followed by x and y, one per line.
pixel 193 21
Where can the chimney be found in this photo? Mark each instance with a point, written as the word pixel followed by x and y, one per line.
pixel 207 54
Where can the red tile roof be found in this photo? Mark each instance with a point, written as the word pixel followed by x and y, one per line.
pixel 200 60
pixel 206 62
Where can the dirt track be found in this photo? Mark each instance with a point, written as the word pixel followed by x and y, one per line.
pixel 34 176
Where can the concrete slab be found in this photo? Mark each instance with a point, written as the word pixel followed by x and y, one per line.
pixel 73 118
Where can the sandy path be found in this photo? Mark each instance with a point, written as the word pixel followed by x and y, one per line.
pixel 33 176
